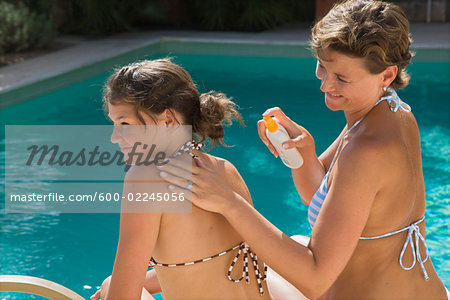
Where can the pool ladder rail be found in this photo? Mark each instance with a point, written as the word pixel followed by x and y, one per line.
pixel 36 286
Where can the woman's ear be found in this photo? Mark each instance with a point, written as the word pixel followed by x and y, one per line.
pixel 389 75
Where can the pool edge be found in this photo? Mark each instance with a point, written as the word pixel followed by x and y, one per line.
pixel 205 46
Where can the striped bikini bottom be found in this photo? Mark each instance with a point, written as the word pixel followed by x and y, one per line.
pixel 243 249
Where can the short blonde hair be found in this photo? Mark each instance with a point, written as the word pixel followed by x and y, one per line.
pixel 375 30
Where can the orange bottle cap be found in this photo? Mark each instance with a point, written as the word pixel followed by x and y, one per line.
pixel 271 125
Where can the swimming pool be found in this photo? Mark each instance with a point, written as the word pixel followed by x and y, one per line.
pixel 77 250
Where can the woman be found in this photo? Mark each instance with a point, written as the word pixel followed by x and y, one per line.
pixel 366 192
pixel 207 251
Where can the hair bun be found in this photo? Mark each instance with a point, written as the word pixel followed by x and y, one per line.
pixel 216 110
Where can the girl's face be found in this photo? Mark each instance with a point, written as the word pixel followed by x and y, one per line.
pixel 347 84
pixel 129 130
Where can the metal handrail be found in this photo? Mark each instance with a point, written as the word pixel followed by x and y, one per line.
pixel 36 286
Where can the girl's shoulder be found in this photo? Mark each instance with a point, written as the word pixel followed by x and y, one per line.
pixel 218 164
pixel 229 172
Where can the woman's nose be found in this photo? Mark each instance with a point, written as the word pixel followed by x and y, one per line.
pixel 326 83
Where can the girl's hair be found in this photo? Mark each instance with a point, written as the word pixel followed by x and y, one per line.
pixel 153 86
pixel 375 30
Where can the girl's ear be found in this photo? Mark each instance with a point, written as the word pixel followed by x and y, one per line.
pixel 389 75
pixel 171 117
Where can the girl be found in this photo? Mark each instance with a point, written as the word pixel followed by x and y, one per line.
pixel 197 255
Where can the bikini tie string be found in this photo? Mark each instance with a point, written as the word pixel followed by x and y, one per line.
pixel 394 101
pixel 414 230
pixel 246 251
pixel 243 248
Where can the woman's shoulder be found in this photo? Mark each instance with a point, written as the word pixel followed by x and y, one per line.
pixel 367 153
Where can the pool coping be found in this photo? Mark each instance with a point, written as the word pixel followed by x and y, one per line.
pixel 22 81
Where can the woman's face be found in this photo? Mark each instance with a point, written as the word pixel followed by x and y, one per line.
pixel 346 82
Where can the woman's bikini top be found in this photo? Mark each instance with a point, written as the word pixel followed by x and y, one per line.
pixel 243 247
pixel 319 197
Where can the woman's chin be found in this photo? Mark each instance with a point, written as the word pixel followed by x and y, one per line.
pixel 333 103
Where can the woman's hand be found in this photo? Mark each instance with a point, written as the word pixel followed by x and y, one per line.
pixel 210 191
pixel 300 137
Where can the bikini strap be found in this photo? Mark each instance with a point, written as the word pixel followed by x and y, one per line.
pixel 243 249
pixel 340 144
pixel 412 229
pixel 394 104
pixel 394 101
pixel 188 147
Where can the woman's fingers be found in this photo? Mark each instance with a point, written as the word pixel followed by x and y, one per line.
pixel 284 120
pixel 179 190
pixel 168 174
pixel 175 174
pixel 278 114
pixel 298 142
pixel 183 164
pixel 263 137
pixel 180 173
pixel 262 132
pixel 300 137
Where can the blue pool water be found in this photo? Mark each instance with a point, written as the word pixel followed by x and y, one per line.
pixel 77 250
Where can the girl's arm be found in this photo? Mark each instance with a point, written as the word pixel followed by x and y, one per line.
pixel 151 286
pixel 137 238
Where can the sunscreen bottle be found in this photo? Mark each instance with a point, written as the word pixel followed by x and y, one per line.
pixel 277 135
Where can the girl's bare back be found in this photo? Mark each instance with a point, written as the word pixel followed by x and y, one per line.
pixel 187 237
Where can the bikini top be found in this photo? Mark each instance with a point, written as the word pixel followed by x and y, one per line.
pixel 243 247
pixel 413 230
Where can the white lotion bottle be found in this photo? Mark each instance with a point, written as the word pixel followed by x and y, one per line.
pixel 277 135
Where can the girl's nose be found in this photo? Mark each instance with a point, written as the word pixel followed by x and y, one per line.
pixel 116 136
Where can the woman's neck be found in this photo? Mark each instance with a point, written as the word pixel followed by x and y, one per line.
pixel 355 115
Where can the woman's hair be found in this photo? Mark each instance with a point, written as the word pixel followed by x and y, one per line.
pixel 153 86
pixel 375 30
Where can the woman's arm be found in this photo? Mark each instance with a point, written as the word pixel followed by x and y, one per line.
pixel 311 269
pixel 308 178
pixel 314 269
pixel 327 156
